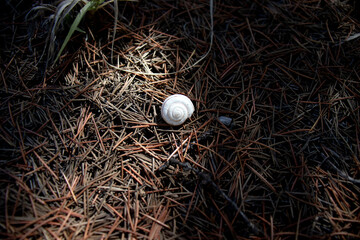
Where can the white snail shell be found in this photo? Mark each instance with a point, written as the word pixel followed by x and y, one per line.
pixel 176 109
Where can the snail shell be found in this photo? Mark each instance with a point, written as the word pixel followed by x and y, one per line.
pixel 176 109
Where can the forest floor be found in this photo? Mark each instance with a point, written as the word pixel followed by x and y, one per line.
pixel 271 152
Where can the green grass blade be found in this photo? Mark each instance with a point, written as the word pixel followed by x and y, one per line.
pixel 88 6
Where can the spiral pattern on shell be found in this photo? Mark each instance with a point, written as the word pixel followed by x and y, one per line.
pixel 176 109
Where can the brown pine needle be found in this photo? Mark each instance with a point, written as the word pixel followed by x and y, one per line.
pixel 69 186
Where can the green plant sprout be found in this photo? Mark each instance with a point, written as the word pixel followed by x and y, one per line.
pixel 61 14
pixel 89 6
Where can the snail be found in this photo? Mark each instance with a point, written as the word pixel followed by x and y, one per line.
pixel 176 109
